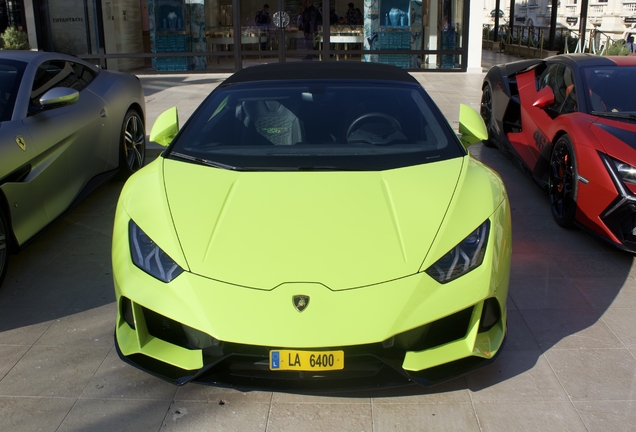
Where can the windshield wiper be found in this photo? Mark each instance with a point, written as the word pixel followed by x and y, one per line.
pixel 620 115
pixel 202 161
pixel 317 168
pixel 214 164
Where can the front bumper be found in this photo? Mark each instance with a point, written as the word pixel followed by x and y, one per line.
pixel 443 351
pixel 412 329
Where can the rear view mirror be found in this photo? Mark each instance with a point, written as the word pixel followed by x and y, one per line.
pixel 545 98
pixel 471 126
pixel 166 127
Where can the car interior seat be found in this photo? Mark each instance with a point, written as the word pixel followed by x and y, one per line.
pixel 596 84
pixel 272 120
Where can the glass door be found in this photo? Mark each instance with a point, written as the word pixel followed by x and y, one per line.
pixel 257 32
pixel 303 35
pixel 280 31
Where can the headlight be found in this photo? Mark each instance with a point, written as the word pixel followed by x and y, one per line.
pixel 626 171
pixel 149 257
pixel 464 257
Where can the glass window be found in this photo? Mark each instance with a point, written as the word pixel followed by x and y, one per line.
pixel 318 125
pixel 59 73
pixel 10 78
pixel 412 34
pixel 561 80
pixel 606 89
pixel 431 25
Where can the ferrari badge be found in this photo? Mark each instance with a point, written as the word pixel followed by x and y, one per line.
pixel 21 142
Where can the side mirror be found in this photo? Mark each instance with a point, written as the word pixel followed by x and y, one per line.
pixel 166 127
pixel 59 96
pixel 55 98
pixel 545 98
pixel 471 126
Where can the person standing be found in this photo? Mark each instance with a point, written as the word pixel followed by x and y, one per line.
pixel 359 16
pixel 263 20
pixel 333 17
pixel 631 46
pixel 351 15
pixel 311 20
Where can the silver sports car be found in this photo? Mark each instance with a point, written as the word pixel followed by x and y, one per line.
pixel 65 127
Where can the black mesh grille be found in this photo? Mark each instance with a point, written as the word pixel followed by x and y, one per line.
pixel 622 222
pixel 490 315
pixel 440 332
pixel 126 311
pixel 165 329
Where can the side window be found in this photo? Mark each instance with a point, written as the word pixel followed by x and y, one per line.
pixel 547 76
pixel 570 102
pixel 59 73
pixel 10 78
pixel 561 80
pixel 84 75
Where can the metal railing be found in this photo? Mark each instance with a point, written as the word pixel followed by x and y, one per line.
pixel 566 40
pixel 597 43
pixel 532 37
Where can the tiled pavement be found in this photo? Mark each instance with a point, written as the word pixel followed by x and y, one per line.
pixel 569 363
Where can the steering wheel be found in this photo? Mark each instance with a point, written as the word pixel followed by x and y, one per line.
pixel 366 116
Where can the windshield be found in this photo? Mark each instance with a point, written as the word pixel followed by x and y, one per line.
pixel 10 77
pixel 610 89
pixel 315 126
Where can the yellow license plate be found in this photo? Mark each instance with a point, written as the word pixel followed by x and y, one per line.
pixel 306 360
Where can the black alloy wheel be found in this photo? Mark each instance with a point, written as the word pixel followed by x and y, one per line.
pixel 562 187
pixel 487 115
pixel 132 151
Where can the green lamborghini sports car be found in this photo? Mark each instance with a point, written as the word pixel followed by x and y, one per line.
pixel 313 226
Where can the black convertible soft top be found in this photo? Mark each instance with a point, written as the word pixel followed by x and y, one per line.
pixel 319 71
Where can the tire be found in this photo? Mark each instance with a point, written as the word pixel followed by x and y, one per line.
pixel 132 144
pixel 563 182
pixel 5 243
pixel 487 115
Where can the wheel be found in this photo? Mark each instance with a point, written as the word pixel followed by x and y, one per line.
pixel 132 150
pixel 377 115
pixel 486 114
pixel 5 238
pixel 563 181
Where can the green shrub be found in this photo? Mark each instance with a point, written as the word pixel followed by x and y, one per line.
pixel 618 48
pixel 14 39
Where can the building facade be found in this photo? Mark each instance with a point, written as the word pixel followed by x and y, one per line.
pixel 227 35
pixel 614 18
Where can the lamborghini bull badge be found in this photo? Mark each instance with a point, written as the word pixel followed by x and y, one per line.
pixel 300 302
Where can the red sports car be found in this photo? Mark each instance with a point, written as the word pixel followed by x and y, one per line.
pixel 570 120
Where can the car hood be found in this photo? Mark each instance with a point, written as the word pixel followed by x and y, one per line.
pixel 339 229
